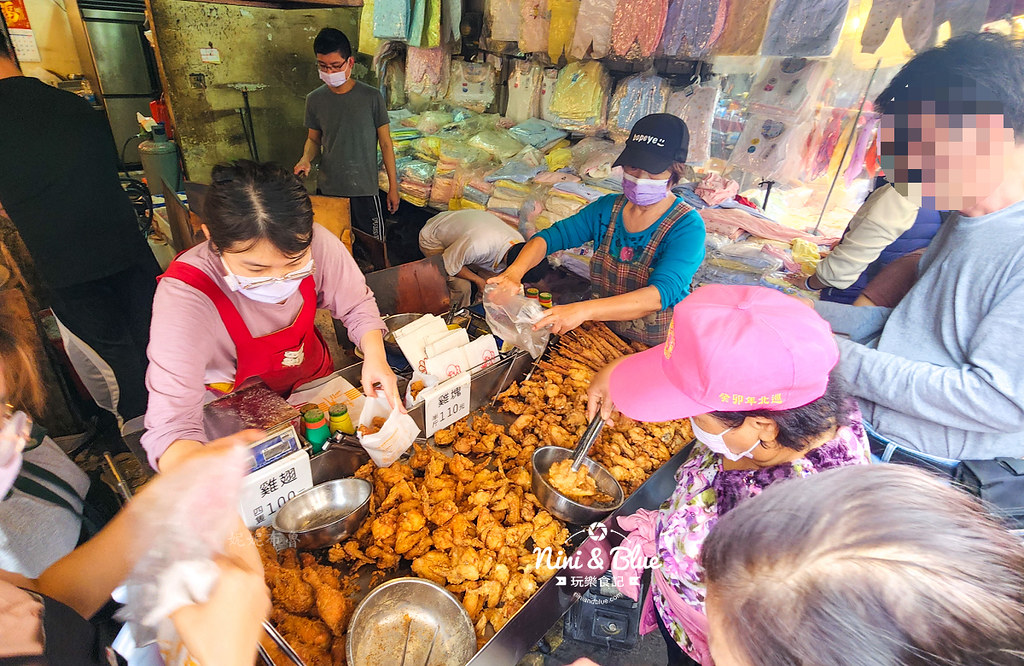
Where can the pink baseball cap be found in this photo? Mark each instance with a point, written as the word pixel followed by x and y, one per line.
pixel 729 349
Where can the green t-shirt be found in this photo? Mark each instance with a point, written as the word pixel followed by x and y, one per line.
pixel 349 122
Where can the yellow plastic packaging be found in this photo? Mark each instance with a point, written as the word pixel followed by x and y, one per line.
pixel 368 44
pixel 558 159
pixel 806 254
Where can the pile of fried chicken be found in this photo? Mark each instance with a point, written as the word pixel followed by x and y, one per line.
pixel 460 524
pixel 312 604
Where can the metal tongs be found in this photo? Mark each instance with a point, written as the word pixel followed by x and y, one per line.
pixel 590 436
pixel 405 650
pixel 281 643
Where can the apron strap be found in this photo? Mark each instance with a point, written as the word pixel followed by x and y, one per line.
pixel 200 281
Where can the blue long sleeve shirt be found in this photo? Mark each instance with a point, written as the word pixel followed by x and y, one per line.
pixel 676 258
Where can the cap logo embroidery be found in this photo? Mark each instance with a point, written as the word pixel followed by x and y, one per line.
pixel 647 138
pixel 670 340
pixel 737 399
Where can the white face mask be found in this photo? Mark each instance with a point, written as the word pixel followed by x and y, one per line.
pixel 333 79
pixel 717 443
pixel 267 290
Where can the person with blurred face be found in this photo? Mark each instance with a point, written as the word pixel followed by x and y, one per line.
pixel 946 378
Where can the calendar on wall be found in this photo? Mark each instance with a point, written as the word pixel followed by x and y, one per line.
pixel 19 30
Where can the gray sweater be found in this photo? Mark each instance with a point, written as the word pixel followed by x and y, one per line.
pixel 947 377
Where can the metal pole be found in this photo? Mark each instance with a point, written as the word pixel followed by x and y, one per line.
pixel 251 131
pixel 846 148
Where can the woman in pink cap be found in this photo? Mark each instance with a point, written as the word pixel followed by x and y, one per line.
pixel 753 370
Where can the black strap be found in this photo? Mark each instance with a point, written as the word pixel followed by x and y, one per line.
pixel 48 476
pixel 39 491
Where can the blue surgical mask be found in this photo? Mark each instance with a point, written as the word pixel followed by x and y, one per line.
pixel 717 443
pixel 644 191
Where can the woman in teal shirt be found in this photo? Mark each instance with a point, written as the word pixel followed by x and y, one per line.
pixel 647 242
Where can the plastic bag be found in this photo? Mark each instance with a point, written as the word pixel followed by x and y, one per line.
pixel 696 106
pixel 432 121
pixel 747 257
pixel 393 439
pixel 580 97
pixel 524 90
pixel 498 143
pixel 184 522
pixel 426 380
pixel 511 317
pixel 806 254
pixel 503 20
pixel 472 85
pixel 635 97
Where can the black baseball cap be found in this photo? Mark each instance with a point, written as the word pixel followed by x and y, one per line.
pixel 655 143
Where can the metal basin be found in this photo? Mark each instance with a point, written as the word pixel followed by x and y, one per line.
pixel 416 608
pixel 325 514
pixel 561 506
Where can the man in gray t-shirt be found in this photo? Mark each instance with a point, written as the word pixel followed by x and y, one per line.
pixel 346 120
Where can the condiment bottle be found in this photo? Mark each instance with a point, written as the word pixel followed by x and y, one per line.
pixel 340 420
pixel 533 293
pixel 545 299
pixel 317 431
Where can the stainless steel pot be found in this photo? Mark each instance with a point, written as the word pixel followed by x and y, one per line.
pixel 325 514
pixel 561 506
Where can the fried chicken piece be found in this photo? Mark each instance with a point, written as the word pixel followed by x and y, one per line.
pixel 462 468
pixel 338 653
pixel 426 542
pixel 485 444
pixel 289 591
pixel 349 551
pixel 290 559
pixel 465 443
pixel 311 656
pixel 334 607
pixel 403 491
pixel 389 476
pixel 385 557
pixel 579 486
pixel 445 437
pixel 312 632
pixel 433 565
pixel 465 565
pixel 443 511
pixel 521 477
pixel 406 541
pixel 415 388
pixel 421 457
pixel 384 527
pixel 520 424
pixel 265 546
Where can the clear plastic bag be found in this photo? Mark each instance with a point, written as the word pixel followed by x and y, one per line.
pixel 431 122
pixel 635 97
pixel 472 84
pixel 593 28
pixel 746 256
pixel 511 317
pixel 503 20
pixel 524 90
pixel 497 143
pixel 580 98
pixel 696 106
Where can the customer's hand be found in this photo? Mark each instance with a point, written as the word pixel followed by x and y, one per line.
pixel 393 199
pixel 599 395
pixel 226 628
pixel 563 318
pixel 302 168
pixel 506 284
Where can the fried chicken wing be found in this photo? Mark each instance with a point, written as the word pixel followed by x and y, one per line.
pixel 312 632
pixel 334 606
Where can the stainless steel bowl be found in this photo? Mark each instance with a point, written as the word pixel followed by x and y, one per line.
pixel 561 506
pixel 325 514
pixel 413 607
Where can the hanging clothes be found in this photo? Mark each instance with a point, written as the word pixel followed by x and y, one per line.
pixel 368 44
pixel 635 97
pixel 548 83
pixel 787 86
pixel 764 145
pixel 637 28
pixel 580 97
pixel 865 139
pixel 593 29
pixel 563 25
pixel 451 21
pixel 534 27
pixel 504 16
pixel 391 19
pixel 472 85
pixel 693 26
pixel 425 27
pixel 524 91
pixel 826 147
pixel 804 29
pixel 744 28
pixel 696 106
pixel 921 20
pixel 426 71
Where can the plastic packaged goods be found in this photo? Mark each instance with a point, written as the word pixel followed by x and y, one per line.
pixel 537 133
pixel 517 171
pixel 637 27
pixel 471 85
pixel 368 44
pixel 548 83
pixel 425 26
pixel 696 106
pixel 563 24
pixel 749 257
pixel 635 97
pixel 426 72
pixel 391 19
pixel 787 86
pixel 524 91
pixel 498 143
pixel 533 26
pixel 804 29
pixel 558 159
pixel 389 64
pixel 593 159
pixel 432 121
pixel 503 19
pixel 744 28
pixel 693 26
pixel 580 98
pixel 765 144
pixel 417 171
pixel 575 260
pixel 593 29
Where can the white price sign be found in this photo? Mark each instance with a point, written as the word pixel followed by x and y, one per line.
pixel 446 403
pixel 266 490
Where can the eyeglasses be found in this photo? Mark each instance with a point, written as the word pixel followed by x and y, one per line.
pixel 331 69
pixel 252 283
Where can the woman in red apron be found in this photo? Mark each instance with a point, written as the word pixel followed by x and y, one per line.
pixel 647 242
pixel 241 306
